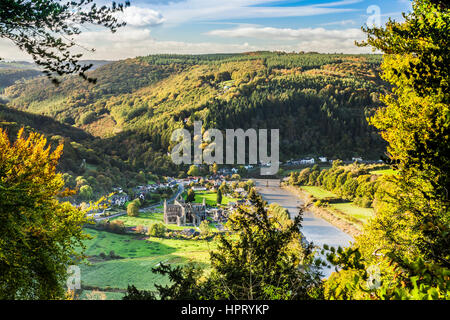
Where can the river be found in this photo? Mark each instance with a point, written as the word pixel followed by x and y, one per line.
pixel 315 229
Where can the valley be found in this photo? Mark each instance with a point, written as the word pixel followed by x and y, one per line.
pixel 116 135
pixel 320 100
pixel 160 151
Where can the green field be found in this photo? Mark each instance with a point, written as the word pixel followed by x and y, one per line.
pixel 318 192
pixel 138 258
pixel 210 198
pixel 348 208
pixel 362 214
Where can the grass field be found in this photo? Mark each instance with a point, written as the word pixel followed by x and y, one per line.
pixel 138 258
pixel 210 198
pixel 318 192
pixel 348 208
pixel 362 214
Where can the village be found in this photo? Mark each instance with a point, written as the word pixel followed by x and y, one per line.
pixel 169 194
pixel 200 203
pixel 181 207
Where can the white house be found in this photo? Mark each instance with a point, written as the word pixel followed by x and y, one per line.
pixel 198 188
pixel 307 161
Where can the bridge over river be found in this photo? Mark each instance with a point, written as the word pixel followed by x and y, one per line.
pixel 315 229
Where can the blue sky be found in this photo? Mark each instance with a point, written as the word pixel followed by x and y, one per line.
pixel 210 26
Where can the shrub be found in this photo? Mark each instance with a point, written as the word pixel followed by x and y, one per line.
pixel 116 226
pixel 204 228
pixel 190 196
pixel 363 202
pixel 303 177
pixel 133 208
pixel 140 229
pixel 88 117
pixel 113 255
pixel 157 230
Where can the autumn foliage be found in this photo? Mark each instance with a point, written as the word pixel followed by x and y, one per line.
pixel 38 234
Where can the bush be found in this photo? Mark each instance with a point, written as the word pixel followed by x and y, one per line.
pixel 318 203
pixel 222 76
pixel 88 117
pixel 140 229
pixel 303 177
pixel 157 230
pixel 190 196
pixel 155 197
pixel 116 226
pixel 204 228
pixel 113 255
pixel 133 208
pixel 363 202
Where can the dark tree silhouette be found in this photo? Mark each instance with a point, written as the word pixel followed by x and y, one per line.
pixel 46 28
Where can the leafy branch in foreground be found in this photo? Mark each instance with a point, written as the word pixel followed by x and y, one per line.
pixel 263 258
pixel 408 238
pixel 45 29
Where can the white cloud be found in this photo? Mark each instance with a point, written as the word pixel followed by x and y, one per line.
pixel 130 42
pixel 9 51
pixel 215 10
pixel 136 38
pixel 338 3
pixel 140 17
pixel 303 34
pixel 340 23
pixel 102 37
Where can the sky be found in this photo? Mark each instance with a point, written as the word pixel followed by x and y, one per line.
pixel 230 26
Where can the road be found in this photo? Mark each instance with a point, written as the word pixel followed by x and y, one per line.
pixel 315 229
